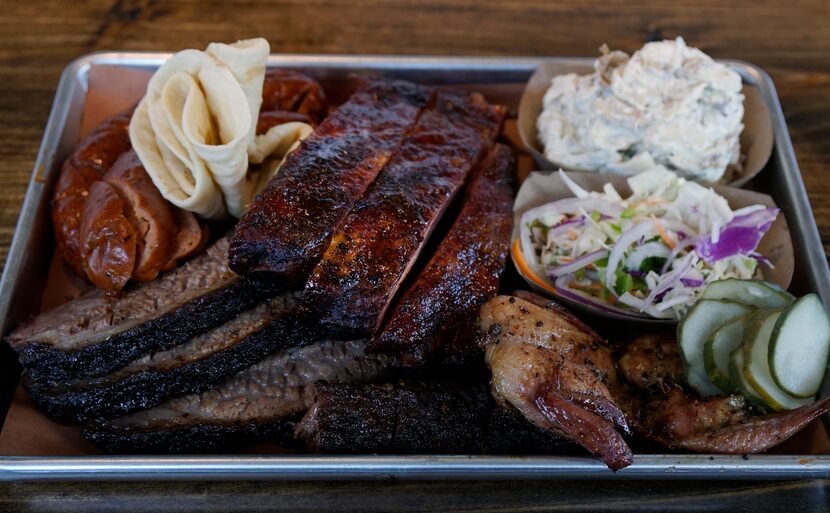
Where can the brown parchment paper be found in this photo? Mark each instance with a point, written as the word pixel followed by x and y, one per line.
pixel 756 138
pixel 111 90
pixel 544 187
pixel 27 432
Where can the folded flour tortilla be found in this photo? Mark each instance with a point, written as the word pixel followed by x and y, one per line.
pixel 195 128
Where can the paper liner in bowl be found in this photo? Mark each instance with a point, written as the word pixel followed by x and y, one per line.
pixel 756 138
pixel 545 187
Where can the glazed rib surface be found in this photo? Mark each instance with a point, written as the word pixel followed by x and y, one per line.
pixel 288 226
pixel 438 311
pixel 374 247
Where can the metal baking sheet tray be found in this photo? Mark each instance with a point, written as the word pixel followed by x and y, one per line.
pixel 24 274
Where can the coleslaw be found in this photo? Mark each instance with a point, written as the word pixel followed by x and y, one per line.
pixel 651 253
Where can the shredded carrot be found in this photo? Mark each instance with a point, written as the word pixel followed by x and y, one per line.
pixel 565 259
pixel 663 235
pixel 650 201
pixel 593 287
pixel 525 269
pixel 572 234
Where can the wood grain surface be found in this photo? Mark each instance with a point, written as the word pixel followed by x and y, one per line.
pixel 459 497
pixel 790 39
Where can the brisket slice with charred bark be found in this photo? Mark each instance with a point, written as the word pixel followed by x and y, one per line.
pixel 95 335
pixel 204 361
pixel 437 314
pixel 257 403
pixel 373 248
pixel 288 226
pixel 418 417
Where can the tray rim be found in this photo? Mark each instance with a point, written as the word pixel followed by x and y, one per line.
pixel 411 467
pixel 305 467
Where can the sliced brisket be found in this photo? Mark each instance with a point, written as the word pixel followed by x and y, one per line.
pixel 204 361
pixel 418 417
pixel 95 335
pixel 260 399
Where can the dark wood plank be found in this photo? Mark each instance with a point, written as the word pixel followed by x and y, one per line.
pixel 40 38
pixel 460 497
pixel 790 40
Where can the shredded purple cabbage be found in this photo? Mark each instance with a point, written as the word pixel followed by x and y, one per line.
pixel 568 221
pixel 692 282
pixel 762 259
pixel 740 236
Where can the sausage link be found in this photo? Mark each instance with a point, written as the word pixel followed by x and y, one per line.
pixel 87 164
pixel 292 91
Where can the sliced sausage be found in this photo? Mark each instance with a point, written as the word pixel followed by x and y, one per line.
pixel 148 212
pixel 87 164
pixel 191 237
pixel 107 239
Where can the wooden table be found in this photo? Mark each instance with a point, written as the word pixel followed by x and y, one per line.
pixel 791 40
